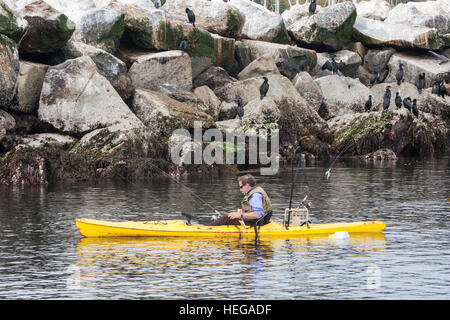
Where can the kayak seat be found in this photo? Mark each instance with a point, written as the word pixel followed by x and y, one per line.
pixel 265 219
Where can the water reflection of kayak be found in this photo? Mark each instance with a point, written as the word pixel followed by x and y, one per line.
pixel 179 228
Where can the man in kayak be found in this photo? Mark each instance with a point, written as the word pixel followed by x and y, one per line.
pixel 255 205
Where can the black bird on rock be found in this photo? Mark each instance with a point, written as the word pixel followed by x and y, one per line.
pixel 415 110
pixel 399 74
pixel 368 104
pixel 420 82
pixel 264 88
pixel 183 44
pixel 191 16
pixel 240 109
pixel 442 89
pixel 334 66
pixel 407 103
pixel 435 88
pixel 387 98
pixel 312 7
pixel 398 100
pixel 373 78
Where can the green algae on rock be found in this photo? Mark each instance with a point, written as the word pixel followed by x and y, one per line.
pixel 9 70
pixel 332 26
pixel 11 24
pixel 48 29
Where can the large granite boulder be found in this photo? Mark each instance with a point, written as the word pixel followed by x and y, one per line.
pixel 209 100
pixel 308 89
pixel 76 98
pixel 377 59
pixel 427 101
pixel 259 67
pixel 48 29
pixel 215 16
pixel 157 29
pixel 151 70
pixel 162 114
pixel 297 12
pixel 380 33
pixel 30 160
pixel 417 63
pixel 259 111
pixel 260 23
pixel 374 9
pixel 398 130
pixel 298 122
pixel 101 28
pixel 29 85
pixel 214 78
pixel 280 88
pixel 180 94
pixel 425 14
pixel 242 54
pixel 287 58
pixel 118 152
pixel 107 64
pixel 341 95
pixel 331 27
pixel 9 70
pixel 74 10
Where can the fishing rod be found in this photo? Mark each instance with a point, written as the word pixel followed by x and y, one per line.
pixel 326 175
pixel 188 189
pixel 288 220
pixel 327 172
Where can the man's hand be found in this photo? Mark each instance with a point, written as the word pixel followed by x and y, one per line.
pixel 234 215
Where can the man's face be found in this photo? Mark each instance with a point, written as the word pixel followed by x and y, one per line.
pixel 244 188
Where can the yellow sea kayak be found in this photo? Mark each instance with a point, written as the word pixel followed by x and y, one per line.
pixel 178 228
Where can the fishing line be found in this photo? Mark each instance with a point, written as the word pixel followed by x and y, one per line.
pixel 188 189
pixel 327 173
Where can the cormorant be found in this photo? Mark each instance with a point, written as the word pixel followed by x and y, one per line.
pixel 442 89
pixel 191 16
pixel 240 109
pixel 264 88
pixel 407 103
pixel 421 82
pixel 387 98
pixel 183 44
pixel 368 104
pixel 436 87
pixel 312 7
pixel 373 78
pixel 333 66
pixel 399 74
pixel 398 100
pixel 415 110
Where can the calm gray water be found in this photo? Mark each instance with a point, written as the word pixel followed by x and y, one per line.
pixel 42 256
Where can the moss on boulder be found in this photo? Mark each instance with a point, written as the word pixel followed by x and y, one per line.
pixel 332 26
pixel 11 25
pixel 48 29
